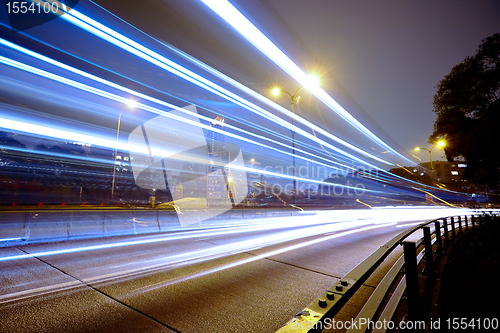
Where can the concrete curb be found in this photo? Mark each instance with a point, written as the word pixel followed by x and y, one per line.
pixel 17 228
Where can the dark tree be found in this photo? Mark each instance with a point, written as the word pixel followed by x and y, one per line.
pixel 468 107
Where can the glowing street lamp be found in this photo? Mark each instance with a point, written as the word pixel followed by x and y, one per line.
pixel 313 81
pixel 439 144
pixel 131 103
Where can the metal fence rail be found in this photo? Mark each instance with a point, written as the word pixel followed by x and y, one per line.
pixel 321 311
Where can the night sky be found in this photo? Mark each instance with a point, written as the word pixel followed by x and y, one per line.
pixel 381 60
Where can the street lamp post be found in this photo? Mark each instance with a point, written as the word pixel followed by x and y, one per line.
pixel 131 104
pixel 276 92
pixel 252 160
pixel 440 144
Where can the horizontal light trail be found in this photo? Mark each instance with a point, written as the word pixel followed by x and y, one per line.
pixel 20 295
pixel 113 144
pixel 340 222
pixel 260 242
pixel 255 258
pixel 146 97
pixel 245 89
pixel 432 195
pixel 66 135
pixel 52 155
pixel 187 258
pixel 252 107
pixel 232 16
pixel 191 234
pixel 9 239
pixel 407 225
pixel 137 49
pixel 278 223
pixel 336 219
pixel 168 105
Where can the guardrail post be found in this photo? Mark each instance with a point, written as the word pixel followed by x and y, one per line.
pixel 460 225
pixel 412 288
pixel 439 241
pixel 452 222
pixel 466 223
pixel 473 221
pixel 480 220
pixel 429 260
pixel 446 234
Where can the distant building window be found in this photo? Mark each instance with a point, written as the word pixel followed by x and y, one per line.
pixel 462 165
pixel 454 173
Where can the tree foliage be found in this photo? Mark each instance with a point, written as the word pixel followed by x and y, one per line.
pixel 467 104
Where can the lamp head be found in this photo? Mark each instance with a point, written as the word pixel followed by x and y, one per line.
pixel 313 80
pixel 131 103
pixel 441 144
pixel 276 91
pixel 417 149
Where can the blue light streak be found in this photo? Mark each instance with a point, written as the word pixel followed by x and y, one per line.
pixel 66 135
pixel 232 16
pixel 311 224
pixel 135 48
pixel 149 98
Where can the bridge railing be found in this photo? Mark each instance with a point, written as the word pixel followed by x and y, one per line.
pixel 320 313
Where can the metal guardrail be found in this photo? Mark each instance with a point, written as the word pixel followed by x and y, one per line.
pixel 321 311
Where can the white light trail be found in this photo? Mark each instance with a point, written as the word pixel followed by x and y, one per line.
pixel 193 257
pixel 67 135
pixel 315 222
pixel 153 57
pixel 137 49
pixel 257 257
pixel 149 98
pixel 232 16
pixel 190 234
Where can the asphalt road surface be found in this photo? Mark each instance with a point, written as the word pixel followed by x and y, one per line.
pixel 244 276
